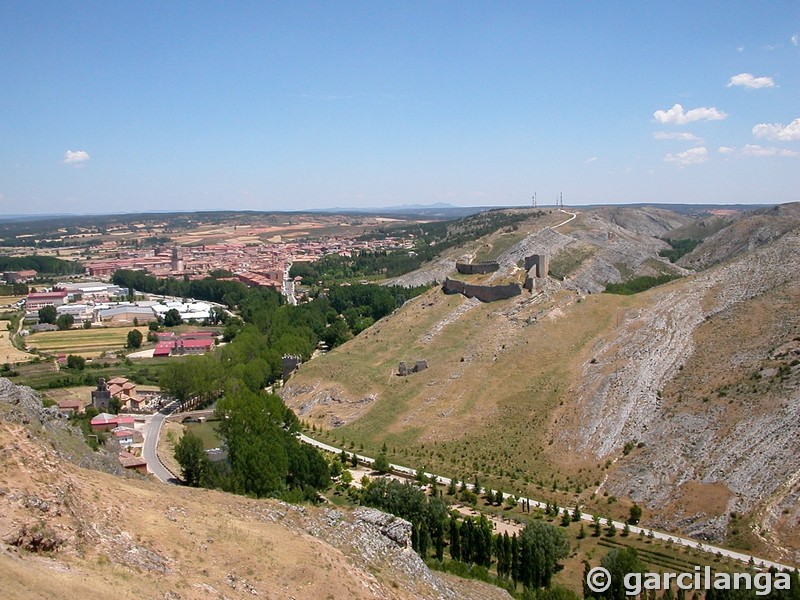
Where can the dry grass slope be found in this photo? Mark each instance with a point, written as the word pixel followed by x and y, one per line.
pixel 67 532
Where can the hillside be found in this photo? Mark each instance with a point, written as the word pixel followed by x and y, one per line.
pixel 550 392
pixel 744 234
pixel 71 532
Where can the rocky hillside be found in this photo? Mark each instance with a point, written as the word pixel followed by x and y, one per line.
pixel 683 398
pixel 707 379
pixel 745 234
pixel 72 532
pixel 600 246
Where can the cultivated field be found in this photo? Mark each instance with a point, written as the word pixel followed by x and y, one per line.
pixel 88 343
pixel 8 301
pixel 8 353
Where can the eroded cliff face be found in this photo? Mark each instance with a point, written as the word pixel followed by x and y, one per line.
pixel 71 532
pixel 697 380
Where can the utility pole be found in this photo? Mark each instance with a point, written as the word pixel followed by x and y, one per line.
pixel 534 200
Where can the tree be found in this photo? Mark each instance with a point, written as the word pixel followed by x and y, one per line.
pixel 76 362
pixel 565 518
pixel 134 338
pixel 596 523
pixel 455 539
pixel 172 318
pixel 191 456
pixel 451 488
pixel 48 314
pixel 542 546
pixel 635 514
pixel 612 529
pixel 619 562
pixel 381 464
pixel 64 322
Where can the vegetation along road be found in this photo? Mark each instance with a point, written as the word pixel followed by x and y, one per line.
pixel 745 558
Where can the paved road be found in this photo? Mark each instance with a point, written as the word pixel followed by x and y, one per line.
pixel 152 431
pixel 760 562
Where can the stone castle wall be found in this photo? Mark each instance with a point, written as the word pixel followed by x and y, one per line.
pixel 477 268
pixel 484 293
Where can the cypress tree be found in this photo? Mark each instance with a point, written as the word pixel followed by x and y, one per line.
pixel 515 559
pixel 455 539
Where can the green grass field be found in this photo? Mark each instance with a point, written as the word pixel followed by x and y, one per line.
pixel 88 343
pixel 44 375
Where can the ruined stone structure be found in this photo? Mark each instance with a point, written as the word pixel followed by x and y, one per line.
pixel 404 368
pixel 541 263
pixel 289 363
pixel 537 266
pixel 477 268
pixel 484 293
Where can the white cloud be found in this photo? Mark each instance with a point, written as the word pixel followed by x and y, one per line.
pixel 676 135
pixel 749 81
pixel 75 157
pixel 726 150
pixel 795 39
pixel 693 156
pixel 777 132
pixel 677 116
pixel 740 49
pixel 756 150
pixel 591 160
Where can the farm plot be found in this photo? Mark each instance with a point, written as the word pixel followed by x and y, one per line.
pixel 8 353
pixel 88 343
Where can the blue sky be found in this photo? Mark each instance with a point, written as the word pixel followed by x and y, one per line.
pixel 122 107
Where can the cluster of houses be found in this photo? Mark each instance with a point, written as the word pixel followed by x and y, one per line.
pixel 120 427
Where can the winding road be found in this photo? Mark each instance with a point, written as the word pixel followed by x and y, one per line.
pixel 659 535
pixel 152 431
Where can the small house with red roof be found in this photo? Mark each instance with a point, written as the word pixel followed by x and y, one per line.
pixel 133 462
pixel 107 422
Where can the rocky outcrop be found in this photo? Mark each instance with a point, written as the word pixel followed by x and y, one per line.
pixel 20 404
pixel 405 368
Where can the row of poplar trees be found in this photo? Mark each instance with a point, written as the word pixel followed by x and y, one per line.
pixel 530 558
